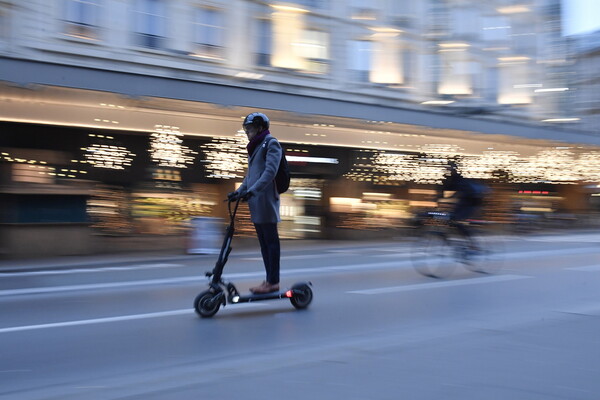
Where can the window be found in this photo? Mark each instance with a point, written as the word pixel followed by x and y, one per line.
pixel 361 10
pixel 30 174
pixel 408 66
pixel 523 37
pixel 209 33
pixel 359 59
pixel 150 23
pixel 495 29
pixel 314 48
pixel 438 19
pixel 82 18
pixel 264 45
pixel 491 87
pixel 465 23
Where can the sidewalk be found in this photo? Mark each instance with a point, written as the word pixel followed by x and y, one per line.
pixel 250 246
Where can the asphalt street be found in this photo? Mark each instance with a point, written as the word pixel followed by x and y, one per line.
pixel 126 329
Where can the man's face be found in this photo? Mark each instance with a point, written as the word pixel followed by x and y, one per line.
pixel 251 130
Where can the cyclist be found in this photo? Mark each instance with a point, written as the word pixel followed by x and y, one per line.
pixel 469 194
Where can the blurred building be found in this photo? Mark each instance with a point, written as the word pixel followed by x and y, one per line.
pixel 121 118
pixel 585 53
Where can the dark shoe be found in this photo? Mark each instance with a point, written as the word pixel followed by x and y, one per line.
pixel 265 288
pixel 259 287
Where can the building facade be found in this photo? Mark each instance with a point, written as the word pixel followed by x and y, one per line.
pixel 122 117
pixel 585 53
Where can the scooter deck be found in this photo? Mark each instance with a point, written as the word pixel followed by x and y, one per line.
pixel 247 298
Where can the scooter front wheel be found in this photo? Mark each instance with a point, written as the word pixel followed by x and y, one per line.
pixel 207 303
pixel 302 295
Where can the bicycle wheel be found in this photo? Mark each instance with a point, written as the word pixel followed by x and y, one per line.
pixel 488 256
pixel 433 255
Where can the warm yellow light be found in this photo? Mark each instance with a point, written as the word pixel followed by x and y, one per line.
pixel 514 59
pixel 515 9
pixel 415 203
pixel 381 29
pixel 536 209
pixel 369 196
pixel 363 18
pixel 422 191
pixel 280 7
pixel 454 45
pixel 512 98
pixel 456 87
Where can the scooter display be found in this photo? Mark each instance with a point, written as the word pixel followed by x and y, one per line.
pixel 220 292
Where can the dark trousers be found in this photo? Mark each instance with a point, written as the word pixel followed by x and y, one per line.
pixel 268 238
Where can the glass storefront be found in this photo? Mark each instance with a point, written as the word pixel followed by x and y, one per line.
pixel 155 183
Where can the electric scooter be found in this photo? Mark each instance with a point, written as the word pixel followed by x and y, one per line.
pixel 220 292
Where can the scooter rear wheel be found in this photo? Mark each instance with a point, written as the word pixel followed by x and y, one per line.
pixel 302 295
pixel 207 303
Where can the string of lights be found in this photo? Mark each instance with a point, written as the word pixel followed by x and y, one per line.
pixel 167 150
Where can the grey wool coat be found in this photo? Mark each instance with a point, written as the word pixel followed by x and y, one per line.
pixel 260 180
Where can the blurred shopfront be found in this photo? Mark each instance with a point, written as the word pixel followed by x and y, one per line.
pixel 73 190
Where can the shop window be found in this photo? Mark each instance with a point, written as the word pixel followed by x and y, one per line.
pixel 209 33
pixel 50 209
pixel 150 23
pixel 28 173
pixel 82 18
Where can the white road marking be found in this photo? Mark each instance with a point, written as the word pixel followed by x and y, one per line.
pixel 95 286
pixel 97 320
pixel 190 279
pixel 435 285
pixel 89 270
pixel 400 262
pixel 187 311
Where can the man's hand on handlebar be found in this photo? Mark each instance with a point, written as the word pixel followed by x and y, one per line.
pixel 243 195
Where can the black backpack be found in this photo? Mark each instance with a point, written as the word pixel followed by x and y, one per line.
pixel 476 189
pixel 282 178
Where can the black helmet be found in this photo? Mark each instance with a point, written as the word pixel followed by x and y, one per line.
pixel 258 119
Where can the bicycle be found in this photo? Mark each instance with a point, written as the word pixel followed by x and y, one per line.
pixel 439 247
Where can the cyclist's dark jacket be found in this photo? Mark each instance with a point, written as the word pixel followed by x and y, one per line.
pixel 465 188
pixel 469 193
